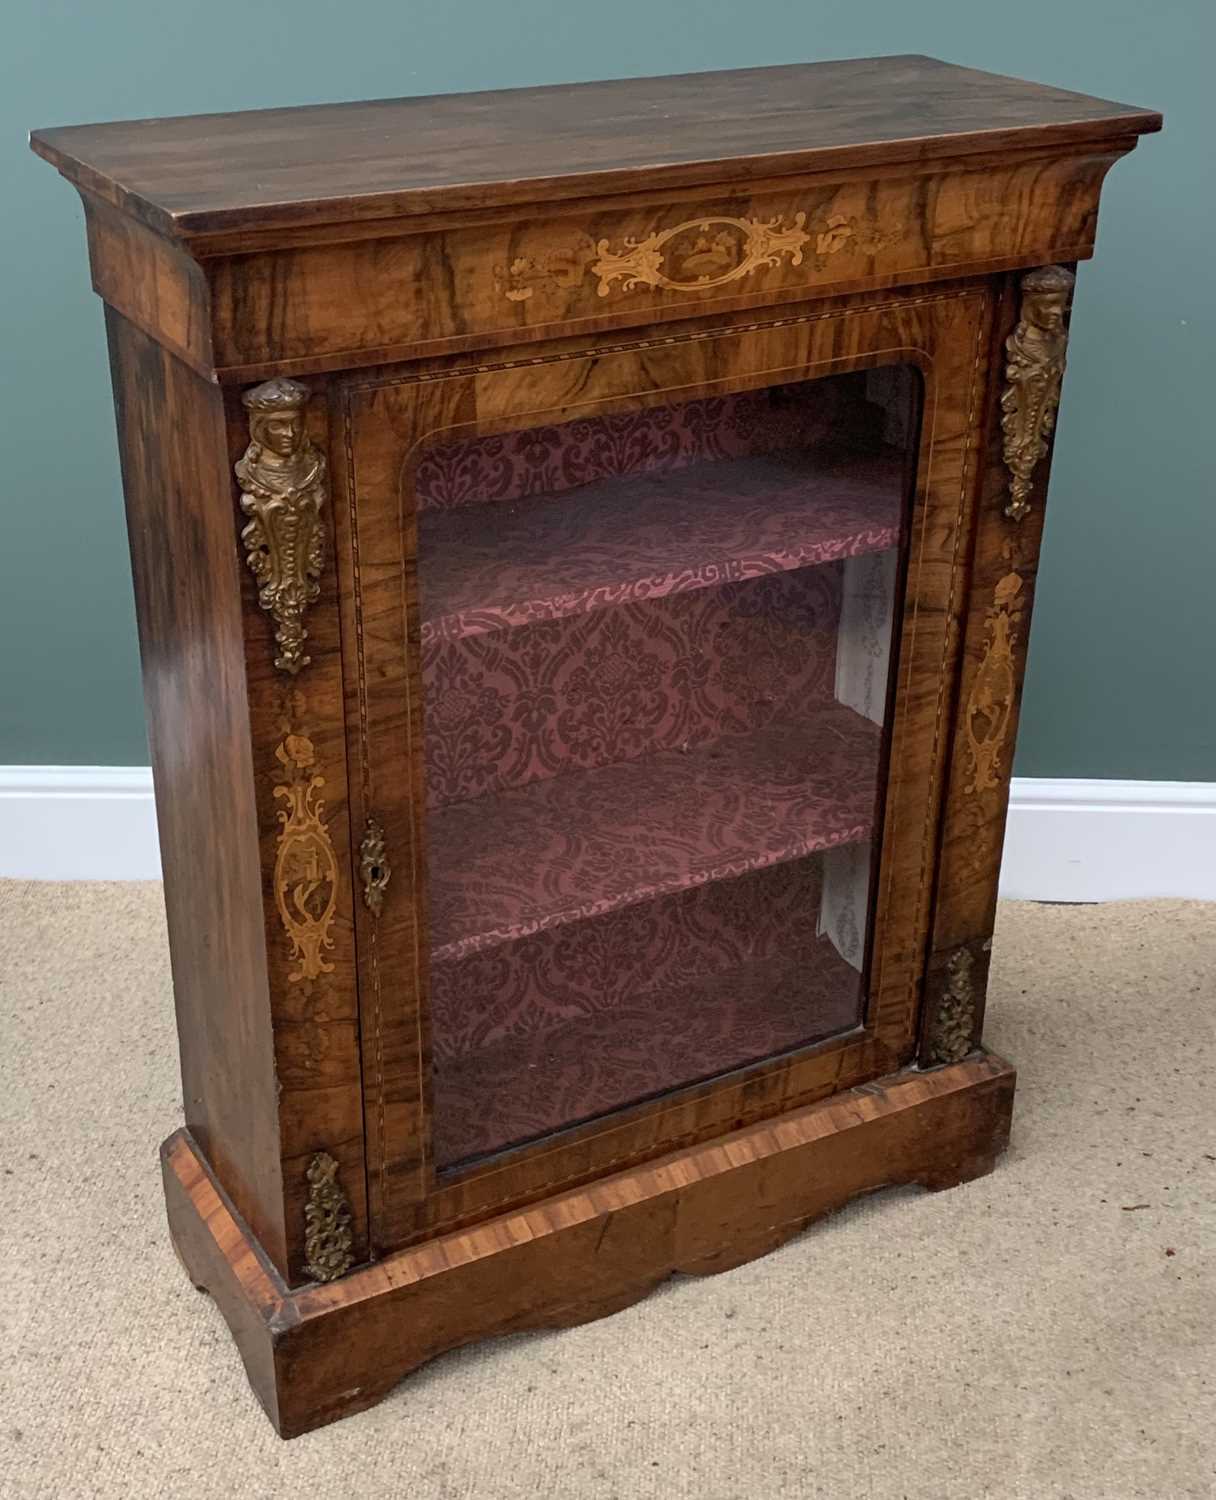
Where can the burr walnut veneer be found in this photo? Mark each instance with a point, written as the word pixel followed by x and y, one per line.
pixel 583 541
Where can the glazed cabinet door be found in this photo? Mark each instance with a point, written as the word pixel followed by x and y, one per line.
pixel 649 650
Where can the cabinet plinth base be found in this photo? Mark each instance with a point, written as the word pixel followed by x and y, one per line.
pixel 318 1353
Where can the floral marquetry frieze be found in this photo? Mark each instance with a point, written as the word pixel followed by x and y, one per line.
pixel 696 255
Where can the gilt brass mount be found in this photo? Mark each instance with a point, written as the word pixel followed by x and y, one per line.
pixel 952 1027
pixel 283 492
pixel 327 1231
pixel 1036 351
pixel 374 868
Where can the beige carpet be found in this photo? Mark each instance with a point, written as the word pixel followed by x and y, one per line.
pixel 1046 1332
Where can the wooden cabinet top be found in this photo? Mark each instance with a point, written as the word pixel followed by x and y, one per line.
pixel 351 163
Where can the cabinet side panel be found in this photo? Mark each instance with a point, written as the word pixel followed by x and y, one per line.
pixel 997 626
pixel 187 593
pixel 309 864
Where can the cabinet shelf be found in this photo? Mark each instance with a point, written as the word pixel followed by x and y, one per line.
pixel 524 1087
pixel 491 567
pixel 587 843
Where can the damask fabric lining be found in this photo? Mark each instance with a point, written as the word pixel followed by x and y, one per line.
pixel 587 1018
pixel 582 970
pixel 518 706
pixel 549 859
pixel 555 458
pixel 525 1086
pixel 588 843
pixel 635 674
pixel 488 568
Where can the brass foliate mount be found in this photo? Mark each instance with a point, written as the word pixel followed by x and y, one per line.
pixel 327 1232
pixel 283 492
pixel 1036 351
pixel 374 868
pixel 952 1027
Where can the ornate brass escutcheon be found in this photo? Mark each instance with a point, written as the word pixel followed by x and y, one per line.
pixel 374 868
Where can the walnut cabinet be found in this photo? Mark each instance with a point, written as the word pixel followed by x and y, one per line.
pixel 584 541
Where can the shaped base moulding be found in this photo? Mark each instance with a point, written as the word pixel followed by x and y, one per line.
pixel 320 1352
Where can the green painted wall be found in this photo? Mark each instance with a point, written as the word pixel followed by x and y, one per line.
pixel 1120 679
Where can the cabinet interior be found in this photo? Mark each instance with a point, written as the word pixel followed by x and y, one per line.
pixel 655 656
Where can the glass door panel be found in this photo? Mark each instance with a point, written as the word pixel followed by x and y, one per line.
pixel 655 664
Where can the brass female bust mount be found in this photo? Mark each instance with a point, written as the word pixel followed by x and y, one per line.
pixel 282 480
pixel 1036 348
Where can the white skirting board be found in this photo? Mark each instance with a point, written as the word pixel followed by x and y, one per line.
pixel 78 823
pixel 1070 840
pixel 1080 840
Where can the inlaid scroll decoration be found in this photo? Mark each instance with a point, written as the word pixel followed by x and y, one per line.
pixel 327 1232
pixel 702 253
pixel 1036 351
pixel 305 867
pixel 989 712
pixel 283 492
pixel 693 256
pixel 374 868
pixel 952 1027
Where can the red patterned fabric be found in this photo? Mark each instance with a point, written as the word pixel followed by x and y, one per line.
pixel 590 842
pixel 575 971
pixel 633 755
pixel 544 460
pixel 519 705
pixel 487 568
pixel 527 1086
